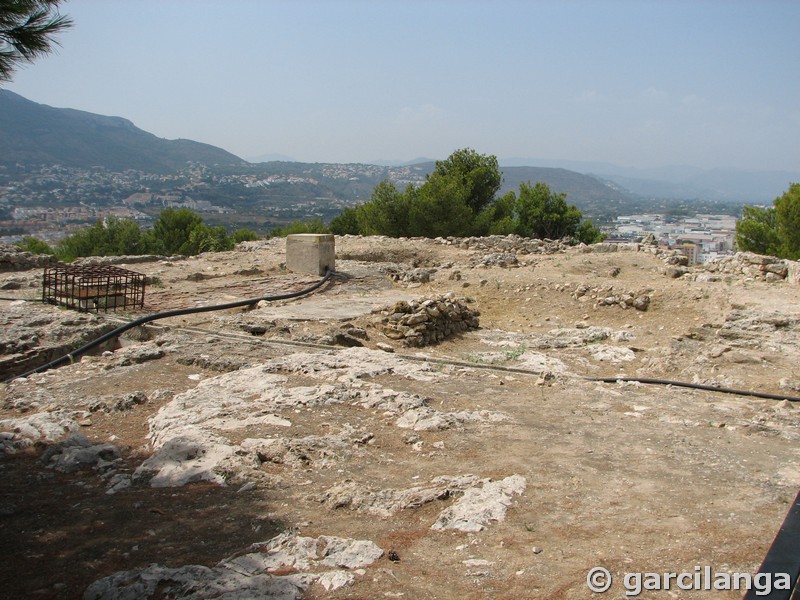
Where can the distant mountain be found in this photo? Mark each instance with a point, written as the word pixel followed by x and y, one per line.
pixel 597 199
pixel 39 134
pixel 680 181
pixel 730 185
pixel 575 185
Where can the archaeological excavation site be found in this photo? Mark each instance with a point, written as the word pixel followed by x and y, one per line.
pixel 368 417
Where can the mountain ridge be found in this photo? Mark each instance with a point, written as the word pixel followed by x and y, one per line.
pixel 38 133
pixel 680 181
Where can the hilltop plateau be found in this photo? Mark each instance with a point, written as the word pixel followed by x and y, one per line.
pixel 320 448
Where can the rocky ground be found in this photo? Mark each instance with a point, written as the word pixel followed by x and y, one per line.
pixel 420 427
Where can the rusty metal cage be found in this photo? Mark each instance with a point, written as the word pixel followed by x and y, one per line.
pixel 93 288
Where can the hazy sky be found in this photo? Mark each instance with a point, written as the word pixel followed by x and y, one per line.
pixel 637 83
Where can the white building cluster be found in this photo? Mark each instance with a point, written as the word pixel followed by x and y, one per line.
pixel 701 237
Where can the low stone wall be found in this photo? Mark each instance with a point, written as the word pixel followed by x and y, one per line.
pixel 123 260
pixel 756 266
pixel 604 247
pixel 428 320
pixel 742 264
pixel 14 259
pixel 507 243
pixel 496 259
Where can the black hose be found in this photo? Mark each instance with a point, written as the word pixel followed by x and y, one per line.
pixel 187 311
pixel 164 315
pixel 696 386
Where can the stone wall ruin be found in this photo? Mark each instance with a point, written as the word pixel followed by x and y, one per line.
pixel 428 320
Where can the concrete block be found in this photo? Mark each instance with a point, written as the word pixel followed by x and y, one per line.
pixel 312 253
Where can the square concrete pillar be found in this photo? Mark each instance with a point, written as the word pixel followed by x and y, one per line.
pixel 312 253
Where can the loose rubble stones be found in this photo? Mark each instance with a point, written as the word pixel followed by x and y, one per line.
pixel 409 276
pixel 507 243
pixel 16 259
pixel 608 296
pixel 498 259
pixel 429 320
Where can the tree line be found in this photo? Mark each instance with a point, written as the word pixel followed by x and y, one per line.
pixel 459 198
pixel 773 230
pixel 175 231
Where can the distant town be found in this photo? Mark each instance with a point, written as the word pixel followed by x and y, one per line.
pixel 701 238
pixel 51 202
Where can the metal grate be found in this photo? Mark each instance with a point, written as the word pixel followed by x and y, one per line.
pixel 93 288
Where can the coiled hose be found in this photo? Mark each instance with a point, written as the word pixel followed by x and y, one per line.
pixel 70 357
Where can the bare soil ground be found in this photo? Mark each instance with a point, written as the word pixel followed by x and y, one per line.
pixel 630 477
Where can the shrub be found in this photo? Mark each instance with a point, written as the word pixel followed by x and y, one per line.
pixel 459 199
pixel 35 245
pixel 244 235
pixel 312 226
